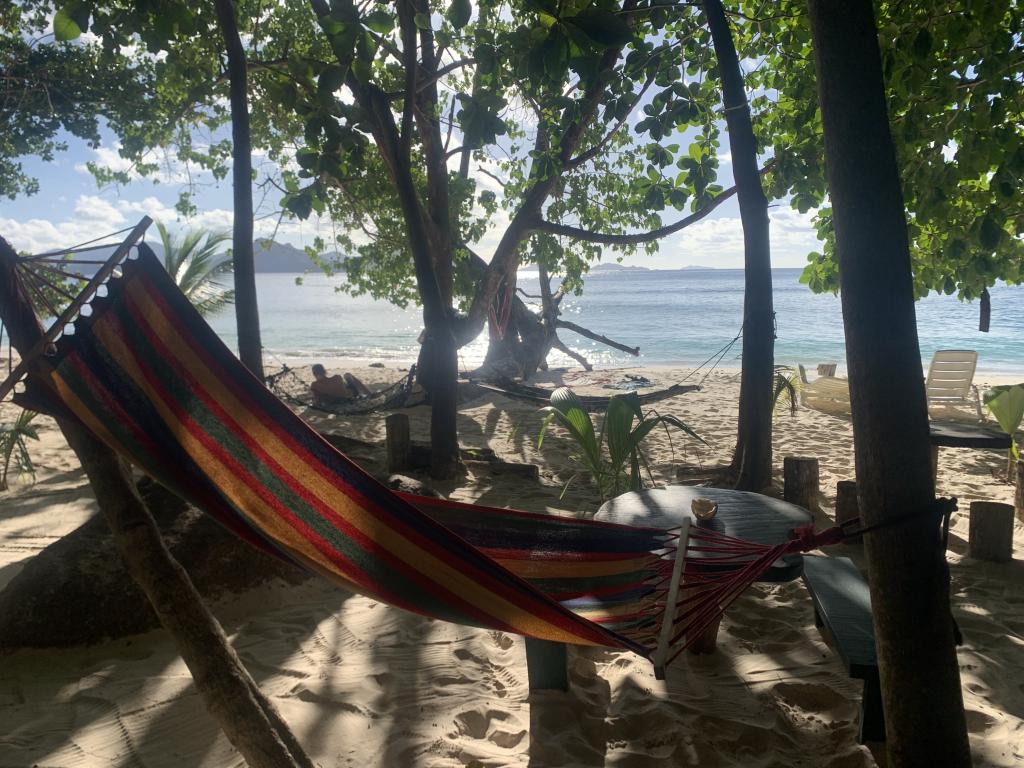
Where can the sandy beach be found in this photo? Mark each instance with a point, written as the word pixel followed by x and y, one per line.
pixel 363 684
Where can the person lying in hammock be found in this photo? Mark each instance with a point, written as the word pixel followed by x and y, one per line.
pixel 335 389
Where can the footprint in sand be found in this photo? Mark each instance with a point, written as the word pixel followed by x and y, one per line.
pixel 978 722
pixel 502 640
pixel 476 724
pixel 810 697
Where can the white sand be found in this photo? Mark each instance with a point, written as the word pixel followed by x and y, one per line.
pixel 366 685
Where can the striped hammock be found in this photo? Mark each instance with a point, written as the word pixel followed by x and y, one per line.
pixel 146 374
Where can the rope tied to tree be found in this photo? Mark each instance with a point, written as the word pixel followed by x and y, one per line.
pixel 501 308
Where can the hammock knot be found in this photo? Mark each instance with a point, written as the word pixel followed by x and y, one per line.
pixel 805 538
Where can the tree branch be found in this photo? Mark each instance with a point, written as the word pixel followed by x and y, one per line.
pixel 577 233
pixel 559 323
pixel 560 346
pixel 597 148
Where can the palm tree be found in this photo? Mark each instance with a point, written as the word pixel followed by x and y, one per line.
pixel 13 447
pixel 195 262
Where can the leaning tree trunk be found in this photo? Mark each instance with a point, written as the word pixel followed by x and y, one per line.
pixel 250 347
pixel 924 714
pixel 753 456
pixel 249 720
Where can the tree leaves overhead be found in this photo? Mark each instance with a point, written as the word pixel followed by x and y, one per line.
pixel 459 13
pixel 955 85
pixel 65 27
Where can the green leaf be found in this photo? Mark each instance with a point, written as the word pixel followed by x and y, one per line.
pixel 990 233
pixel 380 21
pixel 422 20
pixel 1007 405
pixel 459 13
pixel 65 27
pixel 602 27
pixel 331 78
pixel 922 44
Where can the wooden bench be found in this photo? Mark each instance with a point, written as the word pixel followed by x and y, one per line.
pixel 842 605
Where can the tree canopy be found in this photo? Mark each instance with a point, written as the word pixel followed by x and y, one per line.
pixel 954 74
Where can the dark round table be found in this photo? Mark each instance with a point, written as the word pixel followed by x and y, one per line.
pixel 742 515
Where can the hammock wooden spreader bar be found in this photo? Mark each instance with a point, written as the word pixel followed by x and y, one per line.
pixel 102 274
pixel 148 377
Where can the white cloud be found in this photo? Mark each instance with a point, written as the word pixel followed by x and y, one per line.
pixel 101 214
pixel 170 169
pixel 718 242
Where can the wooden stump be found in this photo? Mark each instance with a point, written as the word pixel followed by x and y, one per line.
pixel 398 444
pixel 991 531
pixel 707 641
pixel 1018 499
pixel 800 481
pixel 847 507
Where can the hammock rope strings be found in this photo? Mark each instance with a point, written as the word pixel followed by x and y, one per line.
pixel 154 382
pixel 500 310
pixel 74 308
pixel 289 385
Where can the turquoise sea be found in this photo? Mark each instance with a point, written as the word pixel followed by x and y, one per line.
pixel 676 317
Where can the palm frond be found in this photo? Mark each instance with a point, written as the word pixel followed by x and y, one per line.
pixel 14 449
pixel 195 262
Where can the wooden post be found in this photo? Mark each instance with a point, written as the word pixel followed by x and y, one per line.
pixel 546 665
pixel 398 445
pixel 1018 499
pixel 935 463
pixel 991 531
pixel 249 720
pixel 800 481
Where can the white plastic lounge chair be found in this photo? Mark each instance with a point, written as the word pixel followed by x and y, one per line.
pixel 951 379
pixel 826 393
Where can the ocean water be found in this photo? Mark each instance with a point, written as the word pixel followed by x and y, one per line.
pixel 676 317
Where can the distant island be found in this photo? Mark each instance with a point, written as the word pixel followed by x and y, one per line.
pixel 281 257
pixel 698 267
pixel 613 267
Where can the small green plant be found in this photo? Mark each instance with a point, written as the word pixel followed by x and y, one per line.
pixel 613 456
pixel 1007 404
pixel 786 382
pixel 14 449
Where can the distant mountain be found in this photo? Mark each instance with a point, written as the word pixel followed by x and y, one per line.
pixel 281 257
pixel 697 266
pixel 613 267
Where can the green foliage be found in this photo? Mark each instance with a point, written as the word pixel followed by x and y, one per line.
pixel 613 456
pixel 786 382
pixel 1007 404
pixel 954 73
pixel 49 91
pixel 196 262
pixel 14 449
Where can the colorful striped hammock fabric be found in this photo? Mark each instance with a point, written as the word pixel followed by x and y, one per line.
pixel 147 375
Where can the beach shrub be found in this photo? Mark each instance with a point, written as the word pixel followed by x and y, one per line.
pixel 1007 405
pixel 13 447
pixel 786 382
pixel 612 456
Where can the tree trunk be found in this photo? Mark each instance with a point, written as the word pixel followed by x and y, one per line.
pixel 753 457
pixel 444 400
pixel 924 714
pixel 247 316
pixel 248 719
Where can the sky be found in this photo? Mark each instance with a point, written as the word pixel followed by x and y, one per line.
pixel 70 208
